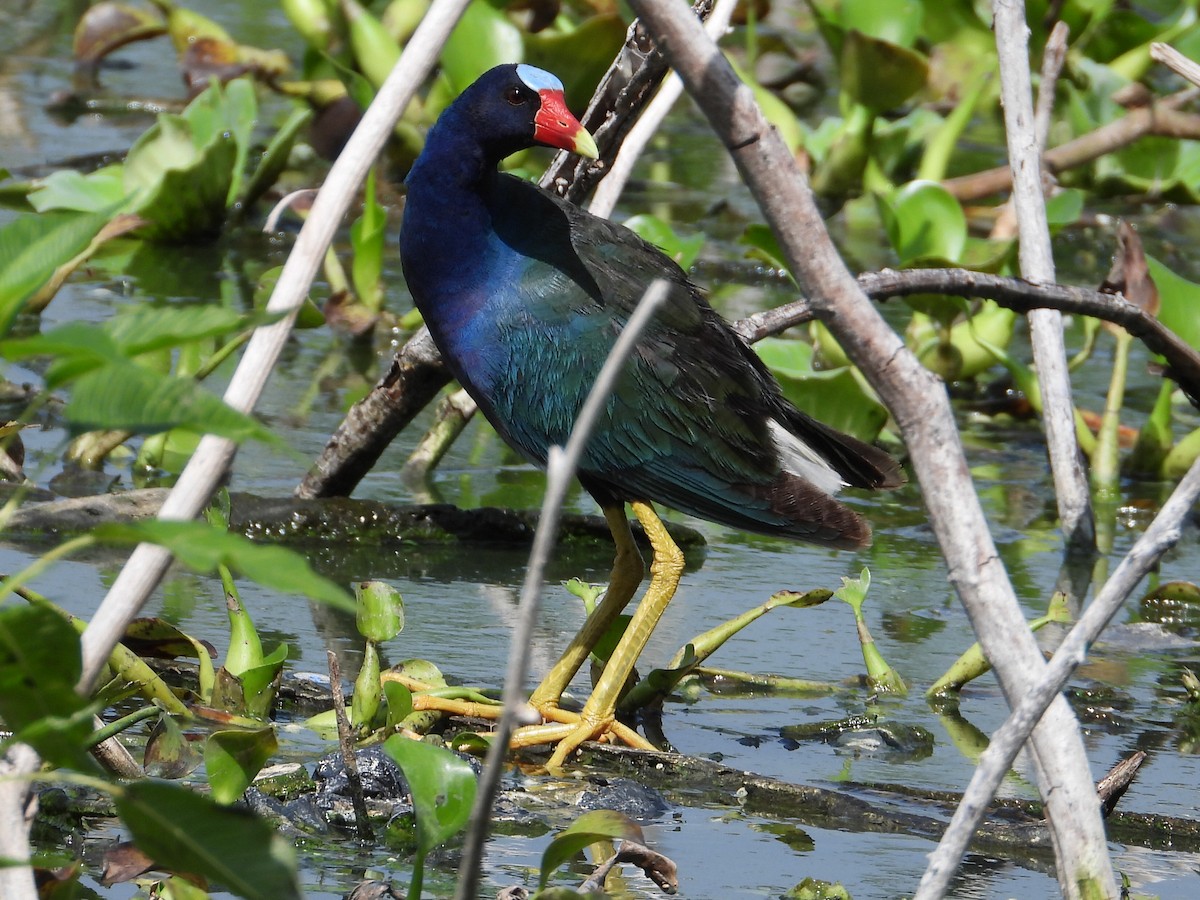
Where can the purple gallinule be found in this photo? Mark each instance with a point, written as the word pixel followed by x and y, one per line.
pixel 525 294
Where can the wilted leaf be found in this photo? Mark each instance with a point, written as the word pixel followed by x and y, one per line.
pixel 107 26
pixel 169 754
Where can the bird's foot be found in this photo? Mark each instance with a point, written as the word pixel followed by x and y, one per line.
pixel 567 730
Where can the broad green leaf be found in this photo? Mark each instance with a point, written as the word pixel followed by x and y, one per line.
pixel 99 191
pixel 186 832
pixel 375 51
pixel 233 758
pixel 683 250
pixel 878 74
pixel 188 202
pixel 1179 299
pixel 442 784
pixel 579 56
pixel 896 21
pixel 835 396
pixel 597 825
pixel 39 667
pixel 260 684
pixel 380 615
pixel 203 548
pixel 924 221
pixel 399 702
pixel 484 37
pixel 32 247
pixel 129 397
pixel 142 329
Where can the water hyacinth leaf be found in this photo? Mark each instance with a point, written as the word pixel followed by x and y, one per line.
pixel 380 610
pixel 835 396
pixel 233 758
pixel 924 221
pixel 897 21
pixel 368 691
pixel 260 684
pixel 484 37
pixel 169 754
pixel 39 667
pixel 399 702
pixel 186 832
pixel 97 191
pixel 878 74
pixel 203 548
pixel 184 200
pixel 274 158
pixel 245 649
pixel 597 825
pixel 442 784
pixel 1178 301
pixel 33 247
pixel 580 56
pixel 683 250
pixel 129 397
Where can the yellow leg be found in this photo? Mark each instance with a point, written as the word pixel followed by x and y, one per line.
pixel 665 572
pixel 627 572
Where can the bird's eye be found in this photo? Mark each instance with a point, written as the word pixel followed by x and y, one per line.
pixel 516 96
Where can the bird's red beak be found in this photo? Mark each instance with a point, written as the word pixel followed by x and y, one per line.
pixel 554 126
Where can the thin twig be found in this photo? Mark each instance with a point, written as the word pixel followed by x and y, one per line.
pixel 560 469
pixel 1175 61
pixel 362 823
pixel 1037 265
pixel 995 762
pixel 149 562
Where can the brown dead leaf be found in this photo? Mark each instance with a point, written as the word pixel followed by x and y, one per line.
pixel 1129 275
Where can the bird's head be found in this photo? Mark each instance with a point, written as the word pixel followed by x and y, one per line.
pixel 512 107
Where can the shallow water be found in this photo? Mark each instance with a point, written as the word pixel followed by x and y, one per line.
pixel 460 607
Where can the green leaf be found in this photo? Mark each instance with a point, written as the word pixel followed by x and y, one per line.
pixel 579 56
pixel 99 191
pixel 32 247
pixel 878 74
pixel 683 250
pixel 233 758
pixel 39 667
pixel 368 691
pixel 399 702
pixel 274 159
pixel 835 396
pixel 442 784
pixel 380 610
pixel 186 832
pixel 128 397
pixel 1178 301
pixel 484 37
pixel 368 235
pixel 203 548
pixel 924 221
pixel 597 825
